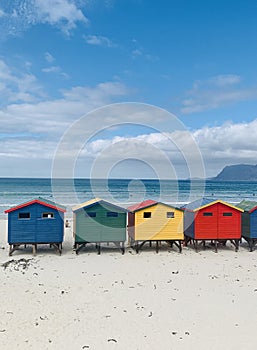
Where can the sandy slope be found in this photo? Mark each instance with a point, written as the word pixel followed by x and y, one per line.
pixel 146 301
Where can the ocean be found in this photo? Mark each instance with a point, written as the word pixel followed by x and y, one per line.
pixel 124 192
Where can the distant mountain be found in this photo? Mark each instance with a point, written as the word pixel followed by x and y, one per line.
pixel 239 172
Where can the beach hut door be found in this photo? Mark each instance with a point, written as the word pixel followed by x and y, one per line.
pixel 228 222
pixel 207 223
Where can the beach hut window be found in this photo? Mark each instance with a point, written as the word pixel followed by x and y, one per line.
pixel 24 215
pixel 112 214
pixel 47 215
pixel 92 214
pixel 227 214
pixel 170 214
pixel 147 214
pixel 207 214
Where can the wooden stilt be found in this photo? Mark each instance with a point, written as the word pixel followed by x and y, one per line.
pixel 195 243
pixel 138 247
pixel 251 244
pixel 11 250
pixel 180 246
pixel 237 245
pixel 34 249
pixel 99 248
pixel 79 247
pixel 216 246
pixel 157 247
pixel 122 248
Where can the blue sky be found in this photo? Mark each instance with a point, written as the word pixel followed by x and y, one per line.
pixel 61 59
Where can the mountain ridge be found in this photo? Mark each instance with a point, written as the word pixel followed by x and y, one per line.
pixel 238 172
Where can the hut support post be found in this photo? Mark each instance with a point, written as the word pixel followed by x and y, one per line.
pixel 34 249
pixel 157 247
pixel 235 243
pixel 79 247
pixel 13 247
pixel 216 246
pixel 98 248
pixel 177 244
pixel 138 247
pixel 250 243
pixel 58 247
pixel 195 245
pixel 122 248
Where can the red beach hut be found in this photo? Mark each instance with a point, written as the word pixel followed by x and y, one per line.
pixel 216 221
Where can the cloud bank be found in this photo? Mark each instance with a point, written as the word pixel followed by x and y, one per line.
pixel 18 15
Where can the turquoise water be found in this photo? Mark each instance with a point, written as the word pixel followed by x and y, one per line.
pixel 70 192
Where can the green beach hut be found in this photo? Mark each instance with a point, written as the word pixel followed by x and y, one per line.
pixel 98 221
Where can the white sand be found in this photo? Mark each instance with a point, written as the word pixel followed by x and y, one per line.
pixel 146 301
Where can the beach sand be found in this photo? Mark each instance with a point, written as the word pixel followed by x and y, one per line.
pixel 112 301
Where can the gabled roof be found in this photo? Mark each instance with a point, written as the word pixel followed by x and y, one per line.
pixel 146 204
pixel 95 201
pixel 142 205
pixel 205 202
pixel 39 200
pixel 247 205
pixel 198 203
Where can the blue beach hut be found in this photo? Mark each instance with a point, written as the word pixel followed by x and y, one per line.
pixel 249 222
pixel 38 221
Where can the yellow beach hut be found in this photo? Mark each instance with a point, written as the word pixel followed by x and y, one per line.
pixel 150 221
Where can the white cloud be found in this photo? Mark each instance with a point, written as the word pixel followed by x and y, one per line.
pixel 216 92
pixel 136 53
pixel 2 14
pixel 16 86
pixel 98 40
pixel 219 146
pixel 224 80
pixel 53 69
pixel 63 13
pixel 17 16
pixel 51 118
pixel 31 131
pixel 49 58
pixel 139 51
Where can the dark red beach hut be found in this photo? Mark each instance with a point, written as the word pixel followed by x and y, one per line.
pixel 215 221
